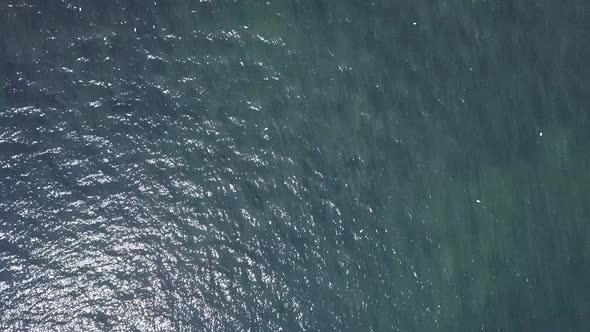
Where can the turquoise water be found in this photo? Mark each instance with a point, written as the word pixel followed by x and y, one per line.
pixel 294 165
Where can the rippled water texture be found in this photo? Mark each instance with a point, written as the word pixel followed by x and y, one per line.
pixel 294 165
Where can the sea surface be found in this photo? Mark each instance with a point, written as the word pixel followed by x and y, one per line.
pixel 295 165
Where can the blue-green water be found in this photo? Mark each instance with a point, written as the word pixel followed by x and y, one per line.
pixel 294 165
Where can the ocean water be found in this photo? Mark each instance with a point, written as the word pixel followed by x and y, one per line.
pixel 294 165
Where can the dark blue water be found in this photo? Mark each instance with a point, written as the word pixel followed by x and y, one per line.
pixel 294 165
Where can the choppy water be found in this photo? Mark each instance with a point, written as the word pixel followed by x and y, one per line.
pixel 294 165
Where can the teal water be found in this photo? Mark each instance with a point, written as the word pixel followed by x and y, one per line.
pixel 294 165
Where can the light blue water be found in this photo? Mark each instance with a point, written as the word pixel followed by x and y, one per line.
pixel 294 165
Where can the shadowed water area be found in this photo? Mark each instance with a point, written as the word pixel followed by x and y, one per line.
pixel 296 165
